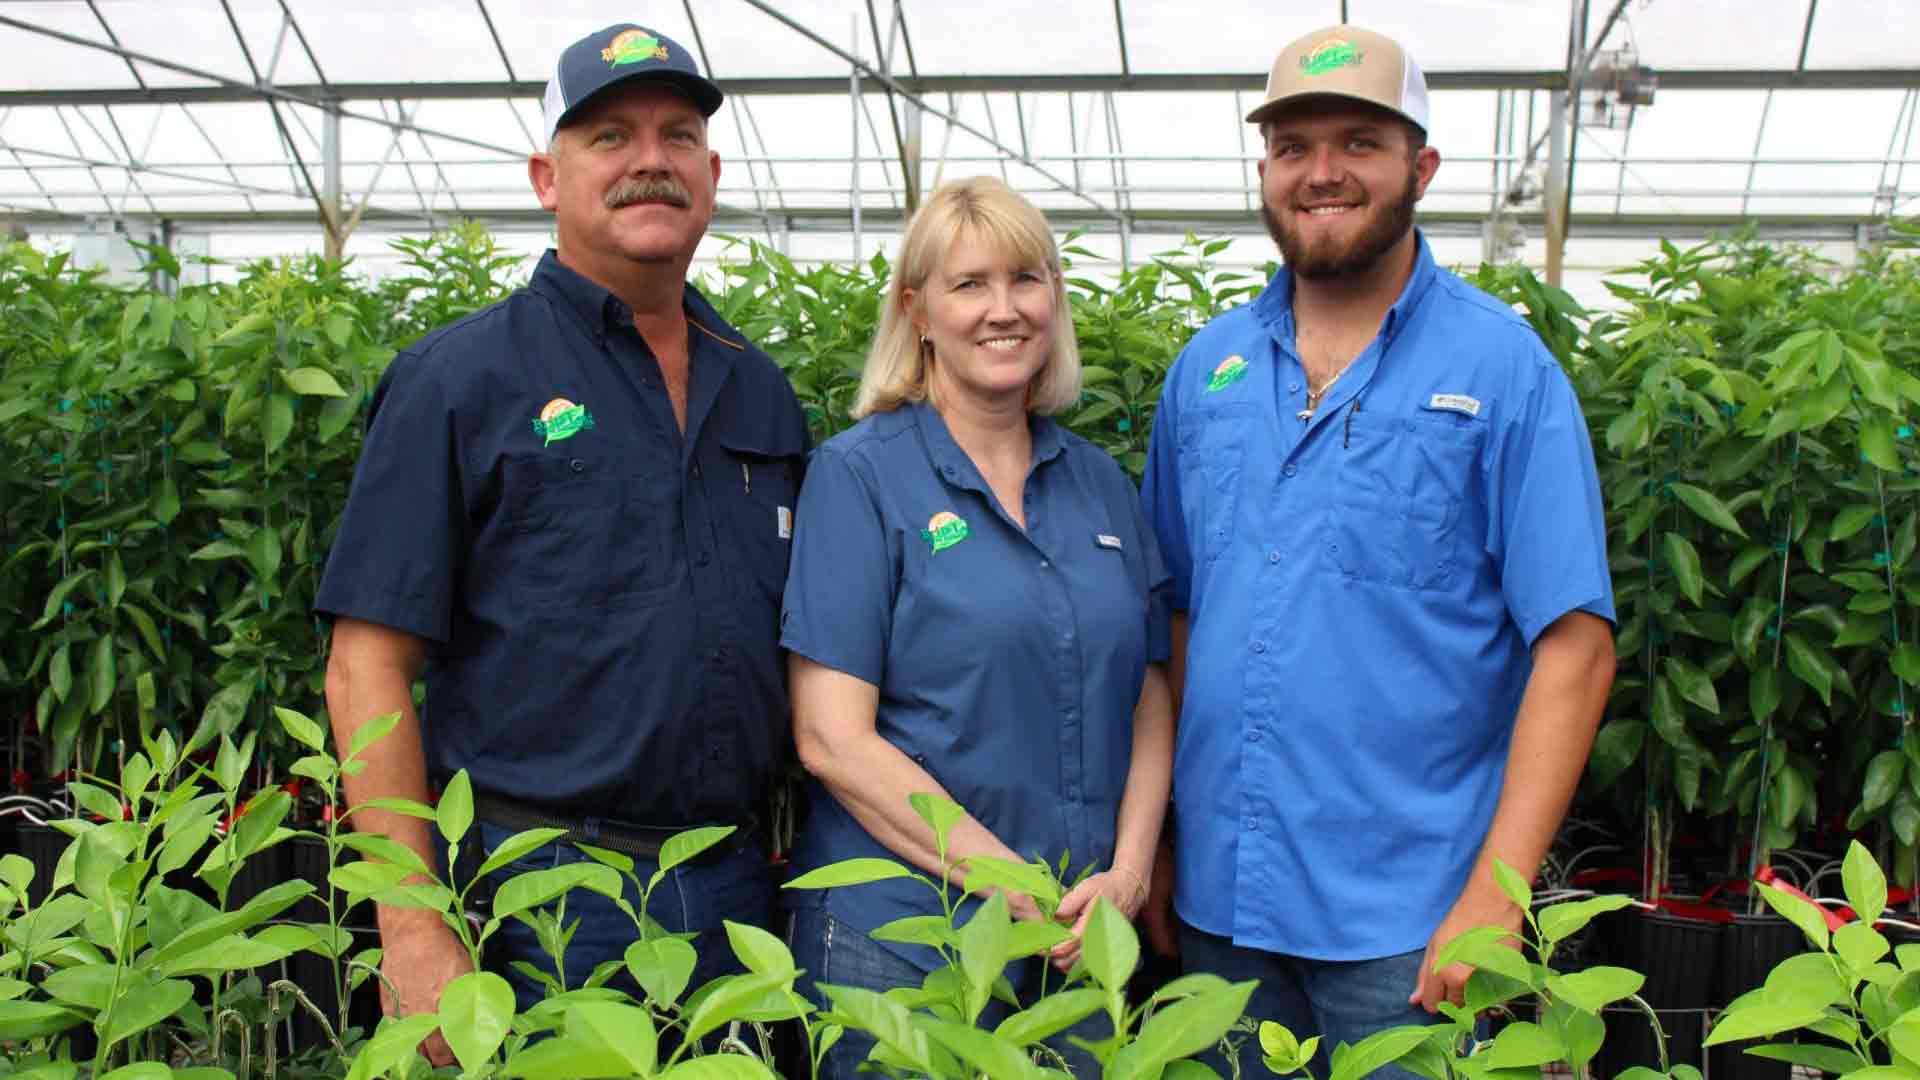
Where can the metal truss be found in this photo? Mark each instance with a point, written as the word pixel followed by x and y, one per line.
pixel 94 163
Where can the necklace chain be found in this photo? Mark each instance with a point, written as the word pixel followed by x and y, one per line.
pixel 1314 396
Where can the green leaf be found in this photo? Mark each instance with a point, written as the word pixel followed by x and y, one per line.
pixel 394 1042
pixel 983 950
pixel 625 1030
pixel 24 1020
pixel 144 1004
pixel 264 552
pixel 1522 1044
pixel 987 872
pixel 313 382
pixel 1801 913
pixel 1877 443
pixel 1561 921
pixel 1760 1020
pixel 994 1058
pixel 276 421
pixel 101 675
pixel 475 1012
pixel 385 849
pixel 1684 560
pixel 1693 684
pixel 60 673
pixel 1851 520
pixel 1109 946
pixel 1763 693
pixel 1188 1026
pixel 1708 507
pixel 1884 774
pixel 759 951
pixel 720 1067
pixel 517 845
pixel 1489 948
pixel 1513 885
pixel 1050 1015
pixel 370 732
pixel 1859 944
pixel 1382 1048
pixel 1906 663
pixel 1596 987
pixel 1821 1059
pixel 536 888
pixel 454 812
pixel 682 846
pixel 662 967
pixel 1615 748
pixel 849 872
pixel 1865 884
pixel 730 1001
pixel 1810 665
pixel 939 812
pixel 303 730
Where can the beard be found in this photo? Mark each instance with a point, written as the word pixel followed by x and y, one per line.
pixel 1329 260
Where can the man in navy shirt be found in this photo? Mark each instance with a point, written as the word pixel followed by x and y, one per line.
pixel 1376 495
pixel 572 515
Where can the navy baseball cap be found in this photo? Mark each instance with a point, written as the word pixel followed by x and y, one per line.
pixel 619 54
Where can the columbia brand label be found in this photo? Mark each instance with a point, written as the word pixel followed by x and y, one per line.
pixel 1331 55
pixel 633 47
pixel 561 419
pixel 1459 403
pixel 1230 371
pixel 944 530
pixel 1107 541
pixel 783 521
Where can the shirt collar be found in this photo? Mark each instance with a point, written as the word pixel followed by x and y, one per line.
pixel 598 309
pixel 1274 305
pixel 954 464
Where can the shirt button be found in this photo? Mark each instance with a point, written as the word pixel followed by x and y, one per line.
pixel 1259 646
pixel 577 465
pixel 705 557
pixel 1044 564
pixel 1293 388
pixel 1290 470
pixel 1252 825
pixel 1253 735
pixel 1273 556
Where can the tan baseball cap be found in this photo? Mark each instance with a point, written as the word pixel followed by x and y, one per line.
pixel 1348 62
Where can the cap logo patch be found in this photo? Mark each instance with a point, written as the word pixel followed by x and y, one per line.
pixel 633 47
pixel 944 530
pixel 561 419
pixel 1330 55
pixel 1230 371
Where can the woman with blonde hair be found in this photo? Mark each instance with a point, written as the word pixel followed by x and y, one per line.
pixel 975 608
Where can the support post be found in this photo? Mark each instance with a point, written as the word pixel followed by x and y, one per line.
pixel 1556 193
pixel 853 161
pixel 332 213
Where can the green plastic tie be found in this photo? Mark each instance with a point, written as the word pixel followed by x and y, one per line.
pixel 66 404
pixel 1905 432
pixel 1773 631
pixel 1879 558
pixel 1124 424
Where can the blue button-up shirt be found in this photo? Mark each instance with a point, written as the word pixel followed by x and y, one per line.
pixel 1008 662
pixel 601 590
pixel 1363 590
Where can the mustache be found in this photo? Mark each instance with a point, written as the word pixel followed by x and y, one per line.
pixel 659 189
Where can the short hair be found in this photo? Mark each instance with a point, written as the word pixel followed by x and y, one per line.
pixel 896 370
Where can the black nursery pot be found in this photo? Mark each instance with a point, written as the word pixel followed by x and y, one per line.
pixel 1680 958
pixel 41 845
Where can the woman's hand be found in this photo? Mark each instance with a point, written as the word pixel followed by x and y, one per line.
pixel 1122 887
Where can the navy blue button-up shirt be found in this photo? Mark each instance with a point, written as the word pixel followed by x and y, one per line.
pixel 600 589
pixel 1008 661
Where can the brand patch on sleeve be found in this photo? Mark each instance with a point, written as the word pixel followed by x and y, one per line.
pixel 783 521
pixel 1459 403
pixel 1106 540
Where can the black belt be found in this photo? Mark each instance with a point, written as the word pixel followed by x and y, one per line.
pixel 642 841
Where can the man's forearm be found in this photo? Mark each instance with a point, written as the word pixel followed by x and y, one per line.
pixel 1559 714
pixel 364 682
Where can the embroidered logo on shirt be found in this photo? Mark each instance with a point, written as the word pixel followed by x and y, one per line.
pixel 1107 540
pixel 783 521
pixel 561 419
pixel 944 530
pixel 1230 371
pixel 1459 403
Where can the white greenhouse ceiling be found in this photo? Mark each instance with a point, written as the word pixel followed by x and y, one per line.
pixel 1119 115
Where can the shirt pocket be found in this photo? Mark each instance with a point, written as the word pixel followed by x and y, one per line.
pixel 567 547
pixel 1402 489
pixel 1213 444
pixel 756 507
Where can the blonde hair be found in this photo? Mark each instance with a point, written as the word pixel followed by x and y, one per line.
pixel 897 364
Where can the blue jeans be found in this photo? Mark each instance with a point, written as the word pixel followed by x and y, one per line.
pixel 829 951
pixel 1342 1001
pixel 731 881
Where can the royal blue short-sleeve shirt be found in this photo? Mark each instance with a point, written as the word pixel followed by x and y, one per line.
pixel 600 590
pixel 1008 661
pixel 1363 589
